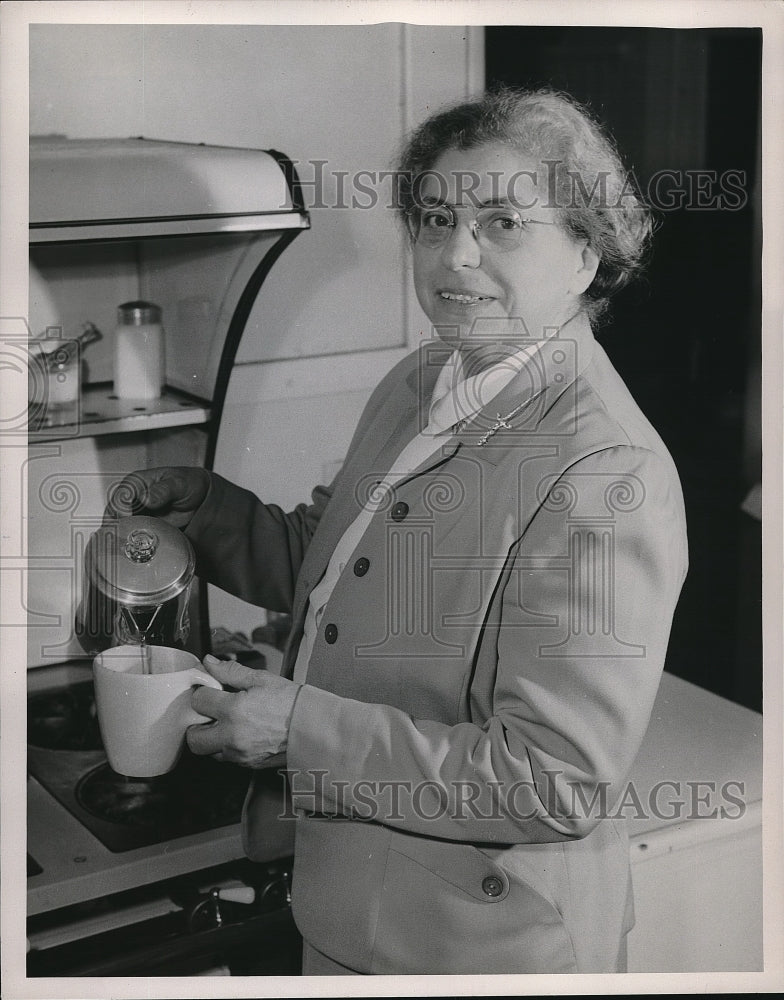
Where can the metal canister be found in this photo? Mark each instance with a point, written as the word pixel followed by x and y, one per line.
pixel 138 573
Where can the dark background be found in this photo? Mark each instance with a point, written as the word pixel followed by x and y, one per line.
pixel 687 339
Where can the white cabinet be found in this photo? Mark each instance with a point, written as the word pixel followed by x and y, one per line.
pixel 193 228
pixel 696 843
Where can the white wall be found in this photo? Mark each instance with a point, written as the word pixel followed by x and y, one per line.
pixel 338 308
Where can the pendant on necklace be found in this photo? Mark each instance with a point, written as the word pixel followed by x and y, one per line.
pixel 500 422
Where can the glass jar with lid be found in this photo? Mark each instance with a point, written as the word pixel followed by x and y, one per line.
pixel 139 351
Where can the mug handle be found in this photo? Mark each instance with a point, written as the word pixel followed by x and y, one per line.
pixel 201 678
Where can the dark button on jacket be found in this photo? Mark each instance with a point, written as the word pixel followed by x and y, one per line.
pixel 361 566
pixel 400 511
pixel 492 886
pixel 331 633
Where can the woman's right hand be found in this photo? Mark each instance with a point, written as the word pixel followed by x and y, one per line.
pixel 172 493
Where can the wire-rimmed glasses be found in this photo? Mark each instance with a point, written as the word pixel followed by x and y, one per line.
pixel 495 227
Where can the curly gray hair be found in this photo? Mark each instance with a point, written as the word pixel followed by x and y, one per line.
pixel 595 196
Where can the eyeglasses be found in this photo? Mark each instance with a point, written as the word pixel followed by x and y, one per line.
pixel 494 227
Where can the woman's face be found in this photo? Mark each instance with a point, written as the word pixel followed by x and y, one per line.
pixel 459 282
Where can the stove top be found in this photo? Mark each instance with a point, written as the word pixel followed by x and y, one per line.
pixel 65 755
pixel 92 833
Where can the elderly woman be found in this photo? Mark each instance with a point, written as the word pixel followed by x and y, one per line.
pixel 482 598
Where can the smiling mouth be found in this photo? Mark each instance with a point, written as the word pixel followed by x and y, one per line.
pixel 464 298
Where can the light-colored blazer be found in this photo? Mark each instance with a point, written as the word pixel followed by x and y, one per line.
pixel 483 674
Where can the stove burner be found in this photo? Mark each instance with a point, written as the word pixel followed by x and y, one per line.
pixel 64 719
pixel 65 755
pixel 199 794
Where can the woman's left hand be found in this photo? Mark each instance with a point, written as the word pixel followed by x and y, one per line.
pixel 251 723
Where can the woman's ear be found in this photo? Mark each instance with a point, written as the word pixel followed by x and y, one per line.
pixel 588 264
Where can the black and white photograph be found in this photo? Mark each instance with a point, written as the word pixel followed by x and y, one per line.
pixel 386 591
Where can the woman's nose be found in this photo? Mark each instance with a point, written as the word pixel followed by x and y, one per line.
pixel 462 247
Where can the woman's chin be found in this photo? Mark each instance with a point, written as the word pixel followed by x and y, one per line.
pixel 450 333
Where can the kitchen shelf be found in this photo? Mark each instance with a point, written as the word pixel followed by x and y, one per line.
pixel 103 413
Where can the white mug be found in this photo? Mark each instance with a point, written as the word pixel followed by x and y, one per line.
pixel 143 715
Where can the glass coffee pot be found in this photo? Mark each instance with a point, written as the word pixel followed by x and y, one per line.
pixel 136 588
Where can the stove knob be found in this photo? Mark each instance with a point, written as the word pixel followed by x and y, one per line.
pixel 277 889
pixel 238 894
pixel 214 907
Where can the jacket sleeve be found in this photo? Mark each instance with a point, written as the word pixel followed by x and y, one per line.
pixel 578 648
pixel 251 549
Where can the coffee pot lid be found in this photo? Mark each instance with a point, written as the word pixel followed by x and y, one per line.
pixel 140 560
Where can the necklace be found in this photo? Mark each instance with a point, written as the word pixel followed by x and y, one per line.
pixel 501 422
